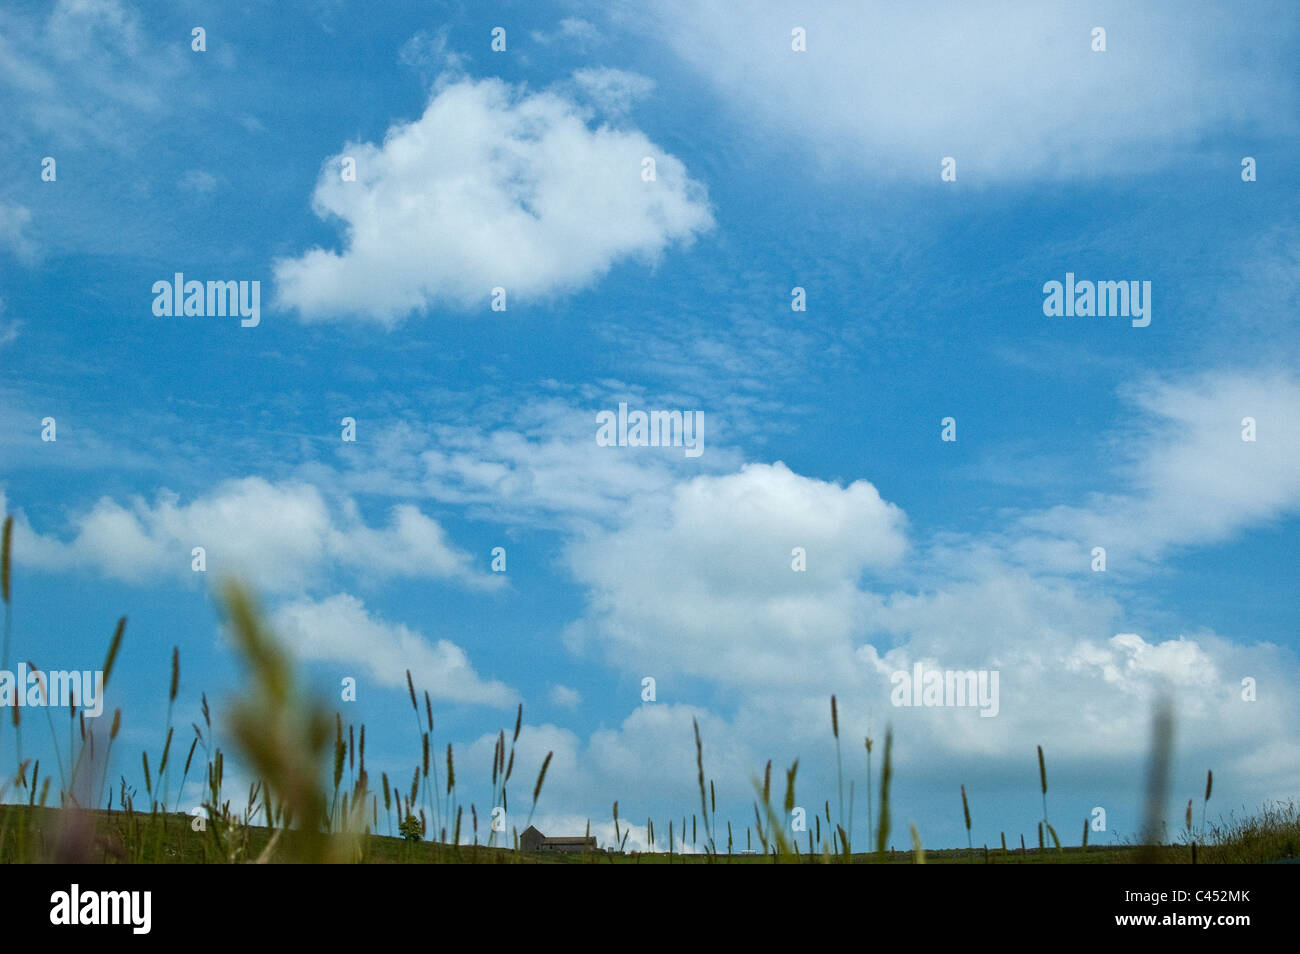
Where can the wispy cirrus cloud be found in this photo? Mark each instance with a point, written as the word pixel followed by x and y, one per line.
pixel 8 328
pixel 1014 91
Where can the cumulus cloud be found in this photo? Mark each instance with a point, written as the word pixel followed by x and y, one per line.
pixel 1065 673
pixel 697 582
pixel 282 536
pixel 701 581
pixel 1011 90
pixel 340 630
pixel 492 186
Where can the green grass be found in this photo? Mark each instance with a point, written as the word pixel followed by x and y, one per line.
pixel 32 833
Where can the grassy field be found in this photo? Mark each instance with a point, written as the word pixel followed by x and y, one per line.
pixel 33 833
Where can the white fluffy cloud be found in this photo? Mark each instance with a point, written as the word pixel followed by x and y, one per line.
pixel 697 582
pixel 492 186
pixel 281 536
pixel 1009 89
pixel 701 580
pixel 340 630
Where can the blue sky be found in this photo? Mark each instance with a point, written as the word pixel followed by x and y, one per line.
pixel 476 428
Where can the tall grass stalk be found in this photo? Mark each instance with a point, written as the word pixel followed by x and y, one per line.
pixel 870 820
pixel 839 761
pixel 1042 778
pixel 1209 787
pixel 1157 781
pixel 704 807
pixel 965 810
pixel 537 789
pixel 886 773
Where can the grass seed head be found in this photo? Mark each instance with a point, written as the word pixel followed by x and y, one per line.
pixel 5 541
pixel 114 645
pixel 541 776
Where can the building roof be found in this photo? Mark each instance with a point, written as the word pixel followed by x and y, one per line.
pixel 561 840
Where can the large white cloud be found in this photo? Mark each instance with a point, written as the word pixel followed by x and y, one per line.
pixel 492 186
pixel 696 582
pixel 700 580
pixel 1010 89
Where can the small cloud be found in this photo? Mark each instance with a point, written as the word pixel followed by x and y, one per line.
pixel 573 30
pixel 197 180
pixel 14 220
pixel 565 698
pixel 428 53
pixel 8 329
pixel 612 91
pixel 251 123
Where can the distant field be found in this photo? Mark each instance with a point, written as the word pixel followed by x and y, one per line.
pixel 34 834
